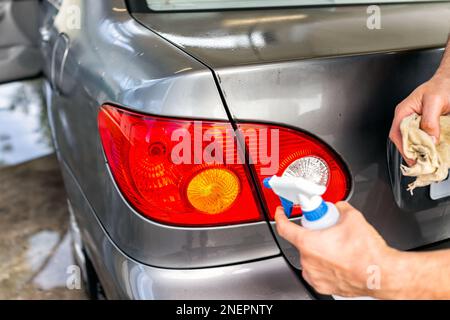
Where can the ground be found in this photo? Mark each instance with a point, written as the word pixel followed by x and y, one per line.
pixel 35 250
pixel 34 240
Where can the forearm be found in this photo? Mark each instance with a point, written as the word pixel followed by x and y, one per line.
pixel 444 67
pixel 416 275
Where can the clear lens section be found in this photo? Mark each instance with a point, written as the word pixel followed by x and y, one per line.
pixel 313 169
pixel 300 155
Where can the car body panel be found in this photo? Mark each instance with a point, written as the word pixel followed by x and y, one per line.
pixel 323 71
pixel 160 79
pixel 248 37
pixel 349 102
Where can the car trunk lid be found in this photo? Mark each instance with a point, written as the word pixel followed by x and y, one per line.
pixel 324 71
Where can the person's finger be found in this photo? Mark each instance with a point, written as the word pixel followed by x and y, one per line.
pixel 307 277
pixel 346 209
pixel 403 110
pixel 431 111
pixel 287 229
pixel 348 214
pixel 344 206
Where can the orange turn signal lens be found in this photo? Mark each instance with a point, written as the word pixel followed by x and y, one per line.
pixel 213 191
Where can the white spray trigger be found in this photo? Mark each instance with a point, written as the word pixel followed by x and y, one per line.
pixel 298 191
pixel 317 214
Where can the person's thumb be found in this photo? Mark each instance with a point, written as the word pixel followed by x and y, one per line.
pixel 431 112
pixel 287 229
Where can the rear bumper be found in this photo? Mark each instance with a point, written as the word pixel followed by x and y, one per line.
pixel 125 278
pixel 266 279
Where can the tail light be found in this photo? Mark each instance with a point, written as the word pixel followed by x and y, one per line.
pixel 160 168
pixel 299 155
pixel 156 177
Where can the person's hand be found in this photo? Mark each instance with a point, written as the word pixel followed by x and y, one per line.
pixel 431 100
pixel 339 260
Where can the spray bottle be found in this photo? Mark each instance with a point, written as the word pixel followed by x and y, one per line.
pixel 317 214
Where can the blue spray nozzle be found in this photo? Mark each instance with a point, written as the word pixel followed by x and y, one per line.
pixel 266 183
pixel 287 205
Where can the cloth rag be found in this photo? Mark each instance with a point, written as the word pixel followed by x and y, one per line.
pixel 432 161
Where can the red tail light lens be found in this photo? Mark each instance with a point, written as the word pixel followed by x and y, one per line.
pixel 298 152
pixel 156 177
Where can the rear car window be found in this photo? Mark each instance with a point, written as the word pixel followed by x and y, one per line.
pixel 181 5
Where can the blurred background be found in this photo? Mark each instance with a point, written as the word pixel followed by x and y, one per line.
pixel 35 250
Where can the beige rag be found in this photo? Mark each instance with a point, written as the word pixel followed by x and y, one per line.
pixel 432 160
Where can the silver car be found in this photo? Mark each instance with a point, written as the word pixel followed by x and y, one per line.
pixel 133 87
